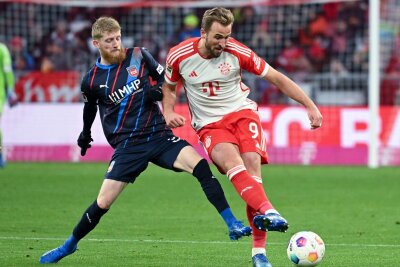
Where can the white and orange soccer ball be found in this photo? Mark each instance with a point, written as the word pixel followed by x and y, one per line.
pixel 306 249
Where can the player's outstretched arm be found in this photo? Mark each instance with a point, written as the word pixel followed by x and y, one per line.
pixel 172 118
pixel 292 90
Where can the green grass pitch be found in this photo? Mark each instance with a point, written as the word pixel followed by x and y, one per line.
pixel 165 220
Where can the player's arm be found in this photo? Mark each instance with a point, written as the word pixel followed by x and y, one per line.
pixel 172 118
pixel 156 72
pixel 292 90
pixel 9 75
pixel 89 114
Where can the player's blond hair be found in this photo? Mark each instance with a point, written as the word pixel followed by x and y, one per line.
pixel 104 25
pixel 217 14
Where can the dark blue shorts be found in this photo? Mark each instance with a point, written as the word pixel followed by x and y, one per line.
pixel 128 163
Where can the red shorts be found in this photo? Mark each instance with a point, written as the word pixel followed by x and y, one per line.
pixel 242 128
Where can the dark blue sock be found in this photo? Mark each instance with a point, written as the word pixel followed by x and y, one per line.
pixel 89 220
pixel 228 217
pixel 210 185
pixel 70 243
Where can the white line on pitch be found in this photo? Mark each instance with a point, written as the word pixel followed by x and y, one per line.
pixel 182 241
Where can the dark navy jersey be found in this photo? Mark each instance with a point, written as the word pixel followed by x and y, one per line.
pixel 120 91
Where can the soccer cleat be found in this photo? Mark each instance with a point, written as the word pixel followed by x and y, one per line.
pixel 238 230
pixel 270 222
pixel 54 255
pixel 260 260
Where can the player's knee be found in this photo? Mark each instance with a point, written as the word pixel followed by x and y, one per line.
pixel 96 211
pixel 104 203
pixel 187 159
pixel 252 161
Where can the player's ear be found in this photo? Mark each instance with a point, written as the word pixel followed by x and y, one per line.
pixel 203 33
pixel 95 43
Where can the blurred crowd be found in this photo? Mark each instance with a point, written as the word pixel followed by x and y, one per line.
pixel 302 41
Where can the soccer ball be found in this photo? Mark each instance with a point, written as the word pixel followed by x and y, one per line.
pixel 306 249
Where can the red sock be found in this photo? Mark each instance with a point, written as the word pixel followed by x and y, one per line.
pixel 259 237
pixel 249 190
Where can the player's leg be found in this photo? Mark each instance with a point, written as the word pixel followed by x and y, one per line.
pixel 180 156
pixel 252 146
pixel 252 162
pixel 227 157
pixel 109 192
pixel 123 169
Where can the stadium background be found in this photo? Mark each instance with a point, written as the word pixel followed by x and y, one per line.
pixel 322 45
pixel 164 218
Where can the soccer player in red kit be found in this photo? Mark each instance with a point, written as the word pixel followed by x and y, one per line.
pixel 226 121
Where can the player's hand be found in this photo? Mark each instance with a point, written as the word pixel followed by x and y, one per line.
pixel 155 93
pixel 12 98
pixel 174 120
pixel 315 117
pixel 84 142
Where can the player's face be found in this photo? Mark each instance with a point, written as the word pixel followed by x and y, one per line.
pixel 216 38
pixel 110 47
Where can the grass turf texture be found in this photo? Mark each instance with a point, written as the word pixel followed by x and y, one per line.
pixel 165 220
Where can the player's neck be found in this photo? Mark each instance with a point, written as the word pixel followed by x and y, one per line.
pixel 104 62
pixel 202 49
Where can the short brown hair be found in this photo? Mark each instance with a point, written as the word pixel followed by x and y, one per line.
pixel 104 25
pixel 217 14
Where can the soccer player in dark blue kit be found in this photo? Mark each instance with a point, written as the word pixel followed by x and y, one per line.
pixel 134 126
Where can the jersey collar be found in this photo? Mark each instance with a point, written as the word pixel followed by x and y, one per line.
pixel 106 67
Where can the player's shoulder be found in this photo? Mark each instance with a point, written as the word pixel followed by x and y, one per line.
pixel 88 75
pixel 238 48
pixel 184 44
pixel 183 49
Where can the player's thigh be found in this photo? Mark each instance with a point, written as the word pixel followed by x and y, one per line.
pixel 126 165
pixel 222 146
pixel 109 192
pixel 166 152
pixel 252 162
pixel 251 137
pixel 226 156
pixel 187 159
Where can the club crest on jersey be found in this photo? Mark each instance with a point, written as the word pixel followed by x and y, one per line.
pixel 132 71
pixel 225 68
pixel 208 141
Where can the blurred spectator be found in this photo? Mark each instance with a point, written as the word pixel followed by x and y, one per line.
pixel 390 86
pixel 58 50
pixel 292 59
pixel 261 39
pixel 82 57
pixel 56 58
pixel 319 25
pixel 190 29
pixel 317 53
pixel 245 21
pixel 21 58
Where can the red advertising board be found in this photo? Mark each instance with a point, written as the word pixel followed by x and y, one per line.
pixel 60 86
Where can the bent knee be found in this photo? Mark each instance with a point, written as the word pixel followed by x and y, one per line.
pixel 187 159
pixel 103 203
